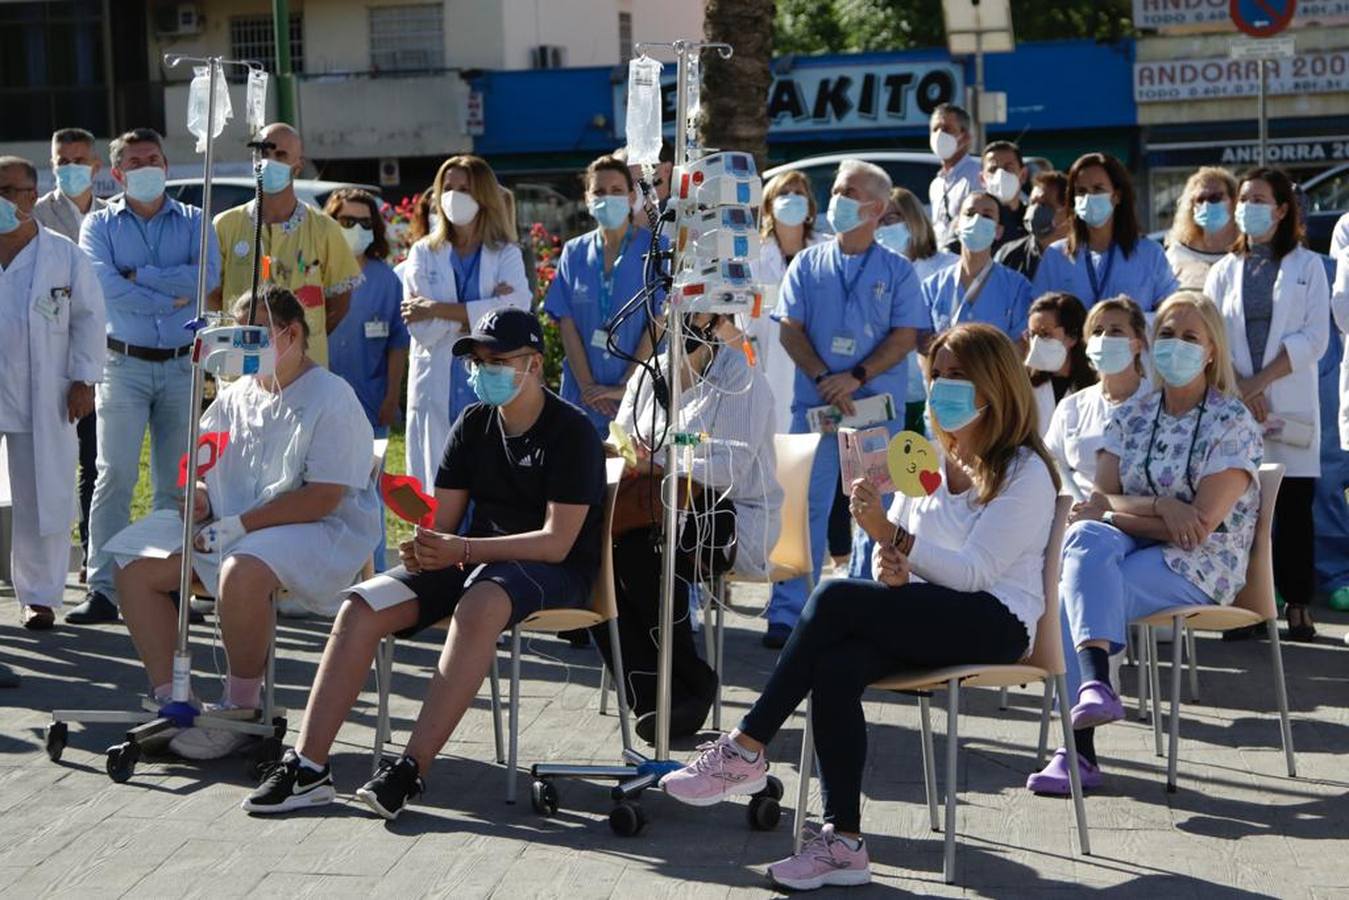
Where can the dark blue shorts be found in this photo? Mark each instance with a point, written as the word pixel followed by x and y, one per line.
pixel 532 586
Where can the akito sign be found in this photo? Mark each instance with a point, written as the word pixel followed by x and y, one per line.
pixel 1150 14
pixel 1309 72
pixel 891 95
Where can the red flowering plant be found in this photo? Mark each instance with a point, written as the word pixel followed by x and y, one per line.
pixel 544 248
pixel 398 226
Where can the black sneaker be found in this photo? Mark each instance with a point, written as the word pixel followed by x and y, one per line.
pixel 95 609
pixel 392 787
pixel 287 785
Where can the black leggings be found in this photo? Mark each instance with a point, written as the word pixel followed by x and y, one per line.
pixel 853 633
pixel 1293 541
pixel 87 431
pixel 840 524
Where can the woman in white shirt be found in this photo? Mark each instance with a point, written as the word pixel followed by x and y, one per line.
pixel 1204 228
pixel 1275 302
pixel 959 580
pixel 1117 337
pixel 1056 358
pixel 466 267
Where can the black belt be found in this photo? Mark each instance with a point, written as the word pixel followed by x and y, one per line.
pixel 149 354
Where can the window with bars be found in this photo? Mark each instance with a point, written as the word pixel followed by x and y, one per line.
pixel 407 38
pixel 252 37
pixel 624 36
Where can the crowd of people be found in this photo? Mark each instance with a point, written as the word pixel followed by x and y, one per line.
pixel 1025 323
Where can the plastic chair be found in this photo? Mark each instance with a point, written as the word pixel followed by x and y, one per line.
pixel 1253 605
pixel 1044 664
pixel 603 609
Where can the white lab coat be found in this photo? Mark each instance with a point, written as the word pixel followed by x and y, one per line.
pixel 1044 406
pixel 429 273
pixel 63 349
pixel 1339 304
pixel 765 331
pixel 1300 322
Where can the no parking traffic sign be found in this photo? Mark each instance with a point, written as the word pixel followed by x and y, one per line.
pixel 1262 18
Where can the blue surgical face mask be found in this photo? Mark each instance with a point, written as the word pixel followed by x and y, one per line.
pixel 951 401
pixel 1212 217
pixel 895 237
pixel 1255 219
pixel 275 176
pixel 845 214
pixel 9 216
pixel 146 184
pixel 977 233
pixel 74 178
pixel 611 210
pixel 1094 209
pixel 1110 354
pixel 790 209
pixel 1178 362
pixel 494 385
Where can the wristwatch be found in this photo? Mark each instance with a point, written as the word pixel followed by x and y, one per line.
pixel 822 376
pixel 859 372
pixel 1108 517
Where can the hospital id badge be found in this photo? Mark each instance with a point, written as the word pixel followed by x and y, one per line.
pixel 599 339
pixel 376 329
pixel 843 345
pixel 49 306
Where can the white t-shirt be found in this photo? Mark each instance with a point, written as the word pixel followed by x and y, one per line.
pixel 998 547
pixel 765 331
pixel 1191 266
pixel 1076 433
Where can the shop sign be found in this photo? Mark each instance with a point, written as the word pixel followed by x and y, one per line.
pixel 1291 152
pixel 1308 72
pixel 1217 14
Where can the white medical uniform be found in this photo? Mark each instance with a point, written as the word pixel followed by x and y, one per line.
pixel 765 332
pixel 428 272
pixel 52 326
pixel 1077 433
pixel 1339 302
pixel 313 432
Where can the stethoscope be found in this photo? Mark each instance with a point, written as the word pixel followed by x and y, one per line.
pixel 1189 456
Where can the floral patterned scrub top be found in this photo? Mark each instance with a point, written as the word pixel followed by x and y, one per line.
pixel 1178 453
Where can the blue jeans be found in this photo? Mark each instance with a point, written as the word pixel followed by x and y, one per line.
pixel 789 597
pixel 135 394
pixel 1109 579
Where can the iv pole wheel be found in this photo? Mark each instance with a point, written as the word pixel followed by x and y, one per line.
pixel 56 740
pixel 543 796
pixel 627 819
pixel 122 759
pixel 773 789
pixel 764 812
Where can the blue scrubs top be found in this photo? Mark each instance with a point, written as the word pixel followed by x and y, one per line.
pixel 848 305
pixel 578 293
pixel 1003 301
pixel 467 287
pixel 358 348
pixel 1145 276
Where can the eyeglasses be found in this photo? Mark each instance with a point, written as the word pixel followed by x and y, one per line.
pixel 348 221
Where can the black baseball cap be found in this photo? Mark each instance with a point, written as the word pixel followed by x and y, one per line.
pixel 501 331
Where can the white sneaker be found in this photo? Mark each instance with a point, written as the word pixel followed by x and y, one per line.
pixel 213 743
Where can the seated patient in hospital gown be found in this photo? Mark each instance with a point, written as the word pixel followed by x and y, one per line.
pixel 290 503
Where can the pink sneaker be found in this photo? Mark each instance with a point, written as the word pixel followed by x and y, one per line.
pixel 718 773
pixel 824 859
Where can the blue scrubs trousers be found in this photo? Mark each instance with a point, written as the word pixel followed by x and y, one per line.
pixel 1109 579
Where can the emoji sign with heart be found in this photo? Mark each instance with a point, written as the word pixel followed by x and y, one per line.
pixel 914 465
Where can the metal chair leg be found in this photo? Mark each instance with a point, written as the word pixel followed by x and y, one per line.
pixel 803 782
pixel 1177 640
pixel 1281 688
pixel 1046 707
pixel 709 643
pixel 604 689
pixel 1144 672
pixel 929 762
pixel 1155 689
pixel 512 752
pixel 1191 650
pixel 1130 656
pixel 952 761
pixel 1074 776
pixel 269 685
pixel 619 685
pixel 383 687
pixel 494 682
pixel 1002 698
pixel 720 643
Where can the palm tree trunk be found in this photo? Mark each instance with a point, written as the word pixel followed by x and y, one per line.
pixel 735 90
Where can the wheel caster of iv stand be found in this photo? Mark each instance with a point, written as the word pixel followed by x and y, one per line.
pixel 56 740
pixel 773 788
pixel 764 812
pixel 627 819
pixel 122 759
pixel 543 796
pixel 267 751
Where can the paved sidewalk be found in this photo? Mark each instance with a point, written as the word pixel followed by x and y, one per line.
pixel 1237 827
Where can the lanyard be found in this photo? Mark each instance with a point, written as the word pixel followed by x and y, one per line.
pixel 606 297
pixel 465 273
pixel 1098 282
pixel 972 292
pixel 1189 454
pixel 849 287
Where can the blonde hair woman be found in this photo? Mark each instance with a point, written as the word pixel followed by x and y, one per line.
pixel 1204 228
pixel 1170 521
pixel 467 266
pixel 959 580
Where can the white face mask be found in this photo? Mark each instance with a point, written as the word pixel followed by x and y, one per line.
pixel 1003 184
pixel 459 207
pixel 943 144
pixel 1046 354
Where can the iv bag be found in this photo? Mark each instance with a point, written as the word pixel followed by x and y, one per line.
pixel 644 107
pixel 197 99
pixel 255 105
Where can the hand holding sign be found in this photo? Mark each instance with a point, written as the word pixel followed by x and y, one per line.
pixel 914 464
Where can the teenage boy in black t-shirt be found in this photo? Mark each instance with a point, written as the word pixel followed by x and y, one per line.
pixel 533 467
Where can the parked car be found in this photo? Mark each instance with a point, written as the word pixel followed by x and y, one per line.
pixel 907 168
pixel 229 192
pixel 1327 199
